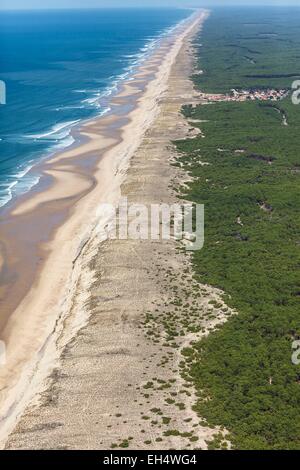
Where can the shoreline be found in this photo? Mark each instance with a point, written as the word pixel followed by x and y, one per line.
pixel 108 93
pixel 99 179
pixel 84 144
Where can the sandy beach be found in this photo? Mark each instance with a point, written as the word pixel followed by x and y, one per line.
pixel 74 307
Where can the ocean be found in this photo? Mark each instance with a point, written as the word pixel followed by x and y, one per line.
pixel 59 68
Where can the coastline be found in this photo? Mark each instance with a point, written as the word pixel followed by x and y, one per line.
pixel 39 316
pixel 56 138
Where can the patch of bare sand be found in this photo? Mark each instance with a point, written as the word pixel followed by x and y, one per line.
pixel 68 183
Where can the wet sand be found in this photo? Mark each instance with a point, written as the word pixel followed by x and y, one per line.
pixel 74 306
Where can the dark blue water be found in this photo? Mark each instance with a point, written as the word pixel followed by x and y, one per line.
pixel 59 68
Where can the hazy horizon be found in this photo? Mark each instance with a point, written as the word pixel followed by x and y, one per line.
pixel 75 4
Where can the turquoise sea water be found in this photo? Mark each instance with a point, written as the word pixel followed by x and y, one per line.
pixel 61 67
